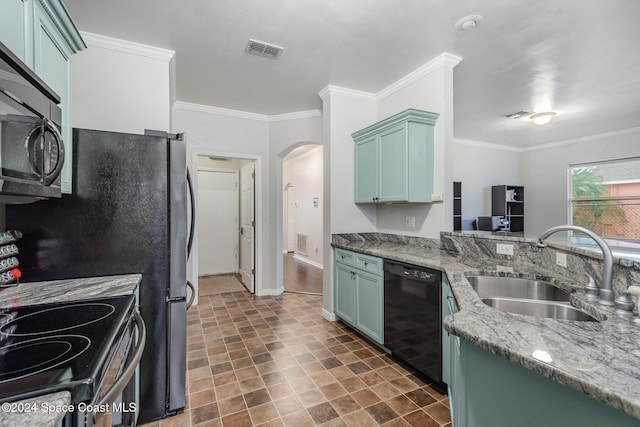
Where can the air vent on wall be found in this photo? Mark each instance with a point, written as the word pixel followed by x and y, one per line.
pixel 267 50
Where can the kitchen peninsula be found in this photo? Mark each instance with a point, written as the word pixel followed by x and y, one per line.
pixel 522 369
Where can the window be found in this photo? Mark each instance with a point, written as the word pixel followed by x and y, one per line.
pixel 605 197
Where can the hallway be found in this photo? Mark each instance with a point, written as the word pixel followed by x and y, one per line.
pixel 301 277
pixel 275 361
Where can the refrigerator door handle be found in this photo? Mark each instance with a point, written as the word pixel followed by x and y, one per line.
pixel 193 213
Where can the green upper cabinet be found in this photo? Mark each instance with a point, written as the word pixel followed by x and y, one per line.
pixel 394 159
pixel 43 35
pixel 13 20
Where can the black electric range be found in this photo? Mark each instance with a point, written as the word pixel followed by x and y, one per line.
pixel 60 346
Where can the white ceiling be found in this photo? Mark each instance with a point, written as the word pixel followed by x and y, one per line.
pixel 581 56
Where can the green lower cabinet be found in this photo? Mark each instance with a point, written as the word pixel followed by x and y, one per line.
pixel 499 393
pixel 369 311
pixel 451 374
pixel 345 293
pixel 358 293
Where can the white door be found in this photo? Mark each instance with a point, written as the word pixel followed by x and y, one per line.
pixel 217 222
pixel 247 226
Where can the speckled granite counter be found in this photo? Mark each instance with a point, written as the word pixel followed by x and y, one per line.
pixel 68 290
pixel 42 411
pixel 599 359
pixel 54 291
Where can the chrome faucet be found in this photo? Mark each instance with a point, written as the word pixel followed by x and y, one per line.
pixel 605 293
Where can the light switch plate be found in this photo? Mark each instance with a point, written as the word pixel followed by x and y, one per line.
pixel 504 249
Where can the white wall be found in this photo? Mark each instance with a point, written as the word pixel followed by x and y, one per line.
pixel 480 165
pixel 211 133
pixel 304 172
pixel 544 173
pixel 120 86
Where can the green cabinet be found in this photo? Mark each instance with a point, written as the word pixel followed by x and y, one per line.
pixel 486 390
pixel 358 292
pixel 451 373
pixel 13 21
pixel 499 393
pixel 394 159
pixel 43 35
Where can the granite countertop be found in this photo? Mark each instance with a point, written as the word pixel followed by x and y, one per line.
pixel 599 359
pixel 41 411
pixel 33 293
pixel 48 410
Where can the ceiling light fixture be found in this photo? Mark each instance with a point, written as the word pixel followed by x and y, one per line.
pixel 468 22
pixel 542 118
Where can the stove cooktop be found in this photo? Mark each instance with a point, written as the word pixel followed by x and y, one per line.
pixel 60 346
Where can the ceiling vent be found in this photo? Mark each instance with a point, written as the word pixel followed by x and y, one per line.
pixel 517 114
pixel 267 50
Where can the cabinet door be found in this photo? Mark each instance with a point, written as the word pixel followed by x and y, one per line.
pixel 51 64
pixel 345 293
pixel 366 171
pixel 369 311
pixel 393 185
pixel 446 337
pixel 12 26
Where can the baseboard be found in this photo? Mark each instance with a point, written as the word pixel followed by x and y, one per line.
pixel 331 317
pixel 271 292
pixel 308 261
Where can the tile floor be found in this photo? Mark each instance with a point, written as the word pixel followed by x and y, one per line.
pixel 275 361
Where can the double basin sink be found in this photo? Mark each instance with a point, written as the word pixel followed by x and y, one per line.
pixel 529 297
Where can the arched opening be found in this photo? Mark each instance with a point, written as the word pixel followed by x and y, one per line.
pixel 301 238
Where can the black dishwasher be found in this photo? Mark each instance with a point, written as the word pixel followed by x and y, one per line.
pixel 413 317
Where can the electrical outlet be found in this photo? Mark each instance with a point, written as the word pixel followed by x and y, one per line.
pixel 504 249
pixel 561 259
pixel 410 222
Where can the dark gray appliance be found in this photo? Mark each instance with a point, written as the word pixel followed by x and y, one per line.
pixel 31 148
pixel 85 347
pixel 127 214
pixel 413 317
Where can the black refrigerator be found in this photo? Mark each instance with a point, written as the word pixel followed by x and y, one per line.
pixel 127 214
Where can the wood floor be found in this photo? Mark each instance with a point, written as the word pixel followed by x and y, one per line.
pixel 301 277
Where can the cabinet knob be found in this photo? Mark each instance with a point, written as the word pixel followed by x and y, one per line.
pixel 366 264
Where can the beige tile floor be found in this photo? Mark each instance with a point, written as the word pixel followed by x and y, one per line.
pixel 275 361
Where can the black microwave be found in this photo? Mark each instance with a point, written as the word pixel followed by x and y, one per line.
pixel 31 148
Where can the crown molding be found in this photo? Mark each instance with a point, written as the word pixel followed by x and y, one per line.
pixel 582 139
pixel 207 109
pixel 473 143
pixel 445 59
pixel 125 46
pixel 346 92
pixel 295 115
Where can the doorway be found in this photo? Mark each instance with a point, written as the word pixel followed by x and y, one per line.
pixel 225 256
pixel 302 219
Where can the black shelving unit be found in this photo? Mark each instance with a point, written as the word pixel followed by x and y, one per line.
pixel 508 201
pixel 457 206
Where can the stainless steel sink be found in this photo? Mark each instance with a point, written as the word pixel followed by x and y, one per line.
pixel 516 287
pixel 536 308
pixel 530 297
